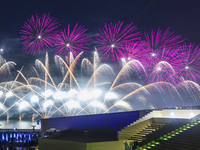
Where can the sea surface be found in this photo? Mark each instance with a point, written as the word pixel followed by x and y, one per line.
pixel 16 124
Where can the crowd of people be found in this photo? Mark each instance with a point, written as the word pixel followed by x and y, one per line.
pixel 18 141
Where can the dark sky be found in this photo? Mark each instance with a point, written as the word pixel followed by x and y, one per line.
pixel 181 15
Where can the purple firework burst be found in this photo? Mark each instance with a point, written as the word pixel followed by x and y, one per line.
pixel 75 41
pixel 113 38
pixel 189 68
pixel 157 42
pixel 164 72
pixel 134 50
pixel 38 33
pixel 161 40
pixel 164 66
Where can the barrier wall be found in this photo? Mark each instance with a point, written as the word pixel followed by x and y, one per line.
pixel 100 121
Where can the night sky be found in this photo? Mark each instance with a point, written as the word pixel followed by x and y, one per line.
pixel 182 16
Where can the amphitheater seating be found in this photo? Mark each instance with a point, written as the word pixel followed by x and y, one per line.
pixel 141 135
pixel 170 125
pixel 174 137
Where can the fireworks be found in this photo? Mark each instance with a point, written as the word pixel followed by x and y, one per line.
pixel 75 41
pixel 158 41
pixel 156 72
pixel 161 46
pixel 102 92
pixel 189 68
pixel 113 38
pixel 162 66
pixel 38 33
pixel 134 50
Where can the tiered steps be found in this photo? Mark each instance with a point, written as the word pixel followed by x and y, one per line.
pixel 140 136
pixel 185 137
pixel 140 128
pixel 144 118
pixel 187 140
pixel 170 125
pixel 143 130
pixel 135 128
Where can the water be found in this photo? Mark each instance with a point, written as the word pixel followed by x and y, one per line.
pixel 11 124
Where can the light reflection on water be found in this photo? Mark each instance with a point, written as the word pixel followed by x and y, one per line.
pixel 11 124
pixel 19 148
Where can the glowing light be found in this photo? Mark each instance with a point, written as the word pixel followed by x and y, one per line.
pixel 172 113
pixel 123 104
pixel 72 92
pixel 47 103
pixel 112 45
pixel 2 106
pixel 98 104
pixel 158 68
pixel 191 114
pixel 129 58
pixel 72 104
pixel 48 93
pixel 9 94
pixel 34 99
pixel 1 93
pixel 67 44
pixel 1 49
pixel 96 93
pixel 123 59
pixel 111 95
pixel 60 95
pixel 39 37
pixel 153 54
pixel 23 105
pixel 186 67
pixel 84 95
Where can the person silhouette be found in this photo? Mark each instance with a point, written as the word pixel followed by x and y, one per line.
pixel 126 146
